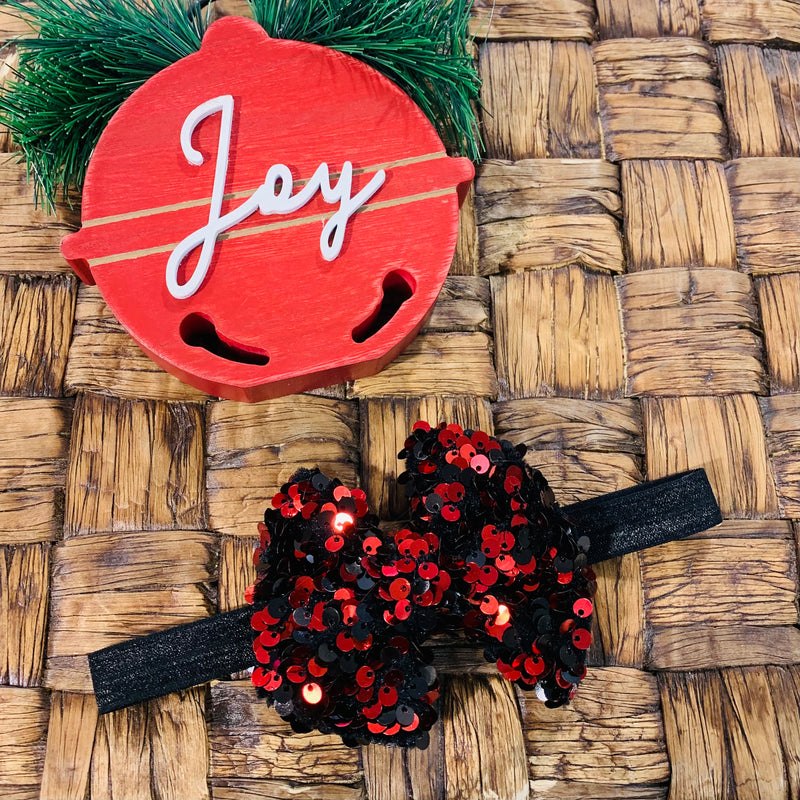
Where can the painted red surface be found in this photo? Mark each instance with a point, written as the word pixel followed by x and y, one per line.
pixel 270 298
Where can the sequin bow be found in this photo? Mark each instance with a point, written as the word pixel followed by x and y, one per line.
pixel 343 610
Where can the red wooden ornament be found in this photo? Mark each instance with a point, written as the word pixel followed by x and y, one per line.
pixel 250 287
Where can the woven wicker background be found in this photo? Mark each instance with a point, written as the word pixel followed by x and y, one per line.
pixel 625 300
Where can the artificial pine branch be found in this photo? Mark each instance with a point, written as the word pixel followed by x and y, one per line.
pixel 90 55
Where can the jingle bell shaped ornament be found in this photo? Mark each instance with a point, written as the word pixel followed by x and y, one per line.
pixel 268 216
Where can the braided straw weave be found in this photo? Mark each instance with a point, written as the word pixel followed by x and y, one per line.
pixel 625 300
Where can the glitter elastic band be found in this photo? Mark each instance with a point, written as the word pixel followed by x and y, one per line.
pixel 187 655
pixel 646 515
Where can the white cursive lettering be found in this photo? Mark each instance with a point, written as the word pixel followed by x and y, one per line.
pixel 267 199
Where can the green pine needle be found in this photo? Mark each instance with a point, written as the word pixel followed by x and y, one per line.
pixel 90 55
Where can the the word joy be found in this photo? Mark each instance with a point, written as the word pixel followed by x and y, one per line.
pixel 274 196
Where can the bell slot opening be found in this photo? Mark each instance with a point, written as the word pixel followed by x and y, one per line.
pixel 198 331
pixel 398 287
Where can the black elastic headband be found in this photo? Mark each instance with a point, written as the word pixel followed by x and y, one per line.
pixel 622 522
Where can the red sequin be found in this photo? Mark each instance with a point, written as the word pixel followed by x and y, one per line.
pixel 371 545
pixel 387 695
pixel 402 610
pixel 582 607
pixel 365 677
pixel 316 669
pixel 451 513
pixel 296 674
pixel 489 605
pixel 480 463
pixel 400 589
pixel 581 638
pixel 340 492
pixel 428 570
